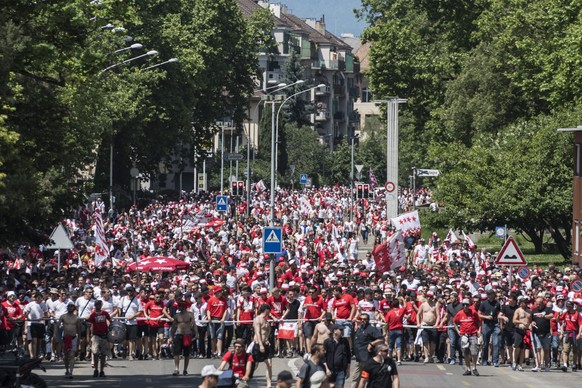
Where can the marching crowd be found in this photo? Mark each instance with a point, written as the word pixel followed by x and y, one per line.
pixel 448 303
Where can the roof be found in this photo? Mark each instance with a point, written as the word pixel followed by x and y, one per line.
pixel 249 7
pixel 314 35
pixel 363 53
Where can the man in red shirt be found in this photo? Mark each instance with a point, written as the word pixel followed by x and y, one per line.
pixel 468 325
pixel 313 309
pixel 245 314
pixel 278 304
pixel 571 332
pixel 100 346
pixel 13 312
pixel 395 321
pixel 216 314
pixel 344 311
pixel 238 360
pixel 154 310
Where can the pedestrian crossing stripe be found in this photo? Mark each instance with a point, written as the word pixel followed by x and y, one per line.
pixel 221 201
pixel 272 238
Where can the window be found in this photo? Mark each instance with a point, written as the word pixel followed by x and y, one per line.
pixel 578 160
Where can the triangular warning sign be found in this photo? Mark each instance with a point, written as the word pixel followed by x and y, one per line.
pixel 60 239
pixel 221 201
pixel 272 238
pixel 510 254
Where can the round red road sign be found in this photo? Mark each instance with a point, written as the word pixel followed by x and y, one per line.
pixel 390 187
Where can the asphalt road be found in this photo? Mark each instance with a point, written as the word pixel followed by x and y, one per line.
pixel 150 374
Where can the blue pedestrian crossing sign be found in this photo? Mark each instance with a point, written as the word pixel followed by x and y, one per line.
pixel 272 240
pixel 303 179
pixel 221 203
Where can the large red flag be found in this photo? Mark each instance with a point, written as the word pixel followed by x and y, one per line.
pixel 382 258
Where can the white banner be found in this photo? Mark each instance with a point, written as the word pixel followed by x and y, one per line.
pixel 407 223
pixel 396 250
pixel 101 246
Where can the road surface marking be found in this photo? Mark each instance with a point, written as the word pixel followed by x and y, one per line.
pixel 441 367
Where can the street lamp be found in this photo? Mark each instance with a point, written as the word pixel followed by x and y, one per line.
pixel 171 60
pixel 392 152
pixel 135 46
pixel 278 111
pixel 149 53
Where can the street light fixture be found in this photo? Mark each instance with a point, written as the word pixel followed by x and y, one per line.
pixel 171 60
pixel 278 111
pixel 135 46
pixel 149 53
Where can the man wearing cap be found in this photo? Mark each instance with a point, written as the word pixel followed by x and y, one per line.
pixel 71 332
pixel 489 313
pixel 100 346
pixel 338 357
pixel 312 310
pixel 130 308
pixel 428 319
pixel 344 311
pixel 571 333
pixel 453 307
pixel 13 313
pixel 245 314
pixel 468 326
pixel 394 319
pixel 507 326
pixel 209 377
pixel 367 336
pixel 216 312
pixel 84 307
pixel 521 321
pixel 239 361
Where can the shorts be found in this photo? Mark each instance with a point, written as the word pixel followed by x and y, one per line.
pixel 142 331
pixel 130 332
pixel 216 330
pixel 429 336
pixel 518 335
pixel 155 331
pixel 178 347
pixel 469 345
pixel 70 344
pixel 36 330
pixel 570 342
pixel 259 356
pixel 100 346
pixel 395 340
pixel 308 328
pixel 347 325
pixel 543 341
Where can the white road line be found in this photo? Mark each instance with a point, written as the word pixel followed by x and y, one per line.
pixel 292 366
pixel 441 367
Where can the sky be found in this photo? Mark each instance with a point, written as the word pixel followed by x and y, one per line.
pixel 339 15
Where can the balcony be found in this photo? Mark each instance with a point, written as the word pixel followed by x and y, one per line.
pixel 275 77
pixel 354 117
pixel 322 116
pixel 317 65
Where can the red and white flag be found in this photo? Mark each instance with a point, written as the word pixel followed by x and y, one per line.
pixel 451 236
pixel 373 180
pixel 470 242
pixel 382 258
pixel 287 330
pixel 408 223
pixel 101 247
pixel 260 186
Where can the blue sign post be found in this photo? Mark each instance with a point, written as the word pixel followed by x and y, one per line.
pixel 303 179
pixel 272 240
pixel 500 231
pixel 221 203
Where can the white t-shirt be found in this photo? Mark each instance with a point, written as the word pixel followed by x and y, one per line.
pixel 84 307
pixel 57 307
pixel 130 308
pixel 35 311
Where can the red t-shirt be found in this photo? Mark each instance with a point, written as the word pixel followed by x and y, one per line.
pixel 313 308
pixel 572 321
pixel 278 305
pixel 395 318
pixel 154 310
pixel 216 307
pixel 12 311
pixel 468 322
pixel 343 306
pixel 142 322
pixel 247 309
pixel 237 364
pixel 99 322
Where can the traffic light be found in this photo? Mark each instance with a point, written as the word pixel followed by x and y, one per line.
pixel 366 191
pixel 238 188
pixel 359 191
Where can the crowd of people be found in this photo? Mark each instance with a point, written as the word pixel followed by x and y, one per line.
pixel 448 303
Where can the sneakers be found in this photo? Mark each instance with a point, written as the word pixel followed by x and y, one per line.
pixel 452 362
pixel 101 374
pixel 513 367
pixel 399 362
pixel 574 368
pixel 519 369
pixel 467 372
pixel 535 369
pixel 496 364
pixel 475 372
pixel 564 368
pixel 426 360
pixel 95 373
